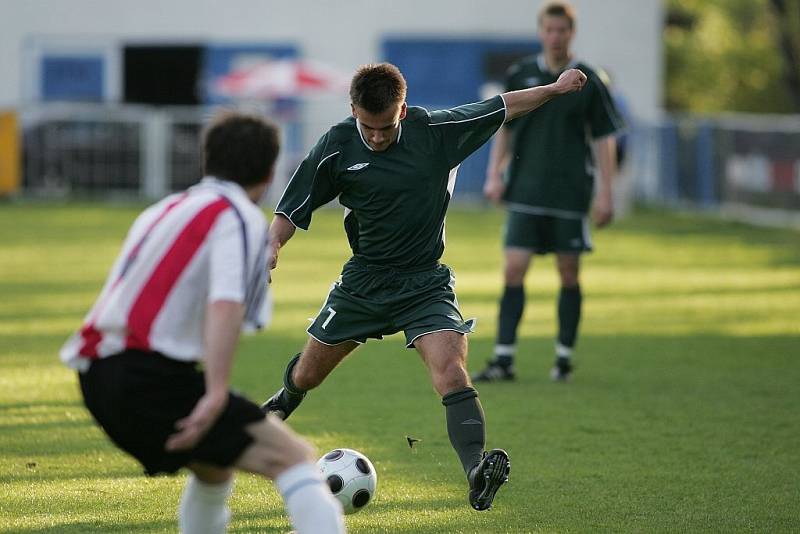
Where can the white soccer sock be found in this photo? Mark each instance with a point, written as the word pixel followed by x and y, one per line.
pixel 505 350
pixel 203 508
pixel 562 351
pixel 311 507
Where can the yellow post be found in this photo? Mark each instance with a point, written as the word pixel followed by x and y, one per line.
pixel 9 153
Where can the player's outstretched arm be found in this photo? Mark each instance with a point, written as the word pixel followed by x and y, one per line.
pixel 526 100
pixel 223 324
pixel 280 231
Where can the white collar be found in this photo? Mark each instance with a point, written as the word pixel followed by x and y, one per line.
pixel 231 188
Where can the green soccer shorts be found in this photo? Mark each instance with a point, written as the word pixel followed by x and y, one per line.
pixel 372 301
pixel 544 234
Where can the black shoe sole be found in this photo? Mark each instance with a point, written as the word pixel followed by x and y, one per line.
pixel 495 469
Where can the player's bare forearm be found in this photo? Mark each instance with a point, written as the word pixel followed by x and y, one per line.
pixel 499 153
pixel 280 231
pixel 223 324
pixel 605 150
pixel 499 156
pixel 222 327
pixel 525 100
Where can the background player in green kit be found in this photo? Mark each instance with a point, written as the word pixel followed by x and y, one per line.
pixel 393 167
pixel 547 159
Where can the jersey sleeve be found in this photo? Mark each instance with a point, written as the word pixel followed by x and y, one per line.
pixel 312 185
pixel 464 129
pixel 258 310
pixel 227 259
pixel 604 117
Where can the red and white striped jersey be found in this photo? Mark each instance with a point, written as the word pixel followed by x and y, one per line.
pixel 206 244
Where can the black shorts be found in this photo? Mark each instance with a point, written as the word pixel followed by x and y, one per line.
pixel 138 396
pixel 544 234
pixel 371 301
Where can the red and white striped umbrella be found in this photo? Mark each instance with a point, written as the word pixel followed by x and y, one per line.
pixel 280 79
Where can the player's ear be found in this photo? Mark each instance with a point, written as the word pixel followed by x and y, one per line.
pixel 353 110
pixel 403 110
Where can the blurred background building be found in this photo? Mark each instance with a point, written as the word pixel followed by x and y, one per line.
pixel 106 98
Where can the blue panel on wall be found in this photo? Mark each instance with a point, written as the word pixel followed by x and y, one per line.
pixel 447 72
pixel 72 78
pixel 439 73
pixel 442 73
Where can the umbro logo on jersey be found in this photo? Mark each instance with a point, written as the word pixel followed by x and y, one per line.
pixel 357 166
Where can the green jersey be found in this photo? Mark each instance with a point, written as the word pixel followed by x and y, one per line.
pixel 395 200
pixel 552 169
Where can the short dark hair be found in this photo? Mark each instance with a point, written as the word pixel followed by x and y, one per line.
pixel 240 148
pixel 558 9
pixel 376 87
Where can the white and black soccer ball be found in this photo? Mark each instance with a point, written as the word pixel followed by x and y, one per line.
pixel 350 476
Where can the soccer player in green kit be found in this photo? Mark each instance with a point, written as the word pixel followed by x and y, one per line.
pixel 549 169
pixel 393 168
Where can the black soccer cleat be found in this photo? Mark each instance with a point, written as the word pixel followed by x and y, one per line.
pixel 562 369
pixel 487 477
pixel 273 405
pixel 495 372
pixel 286 399
pixel 282 403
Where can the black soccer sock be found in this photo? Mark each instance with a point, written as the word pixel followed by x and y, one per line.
pixel 288 383
pixel 290 395
pixel 465 425
pixel 512 305
pixel 569 315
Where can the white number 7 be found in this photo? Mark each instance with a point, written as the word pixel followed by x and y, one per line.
pixel 328 320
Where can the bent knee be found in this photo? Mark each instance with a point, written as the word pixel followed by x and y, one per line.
pixel 275 448
pixel 569 277
pixel 515 275
pixel 450 377
pixel 516 266
pixel 305 380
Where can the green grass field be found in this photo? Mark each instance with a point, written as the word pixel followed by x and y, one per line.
pixel 683 415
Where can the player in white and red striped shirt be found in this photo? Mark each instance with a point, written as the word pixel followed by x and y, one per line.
pixel 192 273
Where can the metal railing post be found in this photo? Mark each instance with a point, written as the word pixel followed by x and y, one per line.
pixel 154 178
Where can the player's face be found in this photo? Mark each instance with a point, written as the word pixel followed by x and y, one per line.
pixel 555 33
pixel 380 129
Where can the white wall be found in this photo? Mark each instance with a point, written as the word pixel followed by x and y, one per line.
pixel 624 36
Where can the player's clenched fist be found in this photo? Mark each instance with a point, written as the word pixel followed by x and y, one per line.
pixel 570 80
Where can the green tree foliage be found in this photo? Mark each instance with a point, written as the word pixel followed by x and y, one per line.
pixel 733 55
pixel 788 15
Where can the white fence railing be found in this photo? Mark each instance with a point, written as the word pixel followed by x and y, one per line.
pixel 127 151
pixel 734 163
pixel 744 165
